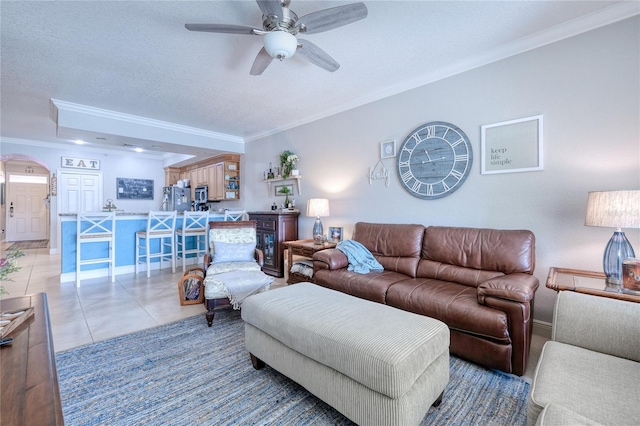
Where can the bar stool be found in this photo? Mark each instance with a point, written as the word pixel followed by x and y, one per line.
pixel 235 215
pixel 94 229
pixel 161 226
pixel 194 226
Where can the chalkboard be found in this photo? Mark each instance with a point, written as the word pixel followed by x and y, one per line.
pixel 135 189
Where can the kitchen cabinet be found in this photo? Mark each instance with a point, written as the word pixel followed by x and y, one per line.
pixel 171 175
pixel 221 174
pixel 273 229
pixel 215 173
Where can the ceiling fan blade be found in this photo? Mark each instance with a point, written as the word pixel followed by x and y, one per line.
pixel 221 28
pixel 271 7
pixel 328 19
pixel 261 62
pixel 317 56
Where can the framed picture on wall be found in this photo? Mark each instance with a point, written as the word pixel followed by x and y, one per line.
pixel 283 190
pixel 388 149
pixel 511 146
pixel 335 234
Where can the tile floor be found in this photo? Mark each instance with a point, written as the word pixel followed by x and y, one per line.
pixel 100 309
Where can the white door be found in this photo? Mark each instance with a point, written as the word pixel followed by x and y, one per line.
pixel 27 212
pixel 79 192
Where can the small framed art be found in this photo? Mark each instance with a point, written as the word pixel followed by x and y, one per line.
pixel 283 190
pixel 388 149
pixel 512 146
pixel 335 234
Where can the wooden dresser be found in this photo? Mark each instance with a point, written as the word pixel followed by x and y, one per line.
pixel 273 229
pixel 28 377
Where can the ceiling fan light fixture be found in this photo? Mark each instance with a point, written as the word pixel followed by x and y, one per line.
pixel 280 44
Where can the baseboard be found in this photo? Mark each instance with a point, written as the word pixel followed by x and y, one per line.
pixel 120 270
pixel 542 328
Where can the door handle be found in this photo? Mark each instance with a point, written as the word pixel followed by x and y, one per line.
pixel 11 210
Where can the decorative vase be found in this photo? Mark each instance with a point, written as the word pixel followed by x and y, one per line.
pixel 286 201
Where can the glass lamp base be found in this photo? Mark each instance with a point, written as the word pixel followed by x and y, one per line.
pixel 618 248
pixel 317 231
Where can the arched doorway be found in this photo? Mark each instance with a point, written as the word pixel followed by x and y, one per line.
pixel 25 197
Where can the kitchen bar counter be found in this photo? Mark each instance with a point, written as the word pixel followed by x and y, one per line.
pixel 127 224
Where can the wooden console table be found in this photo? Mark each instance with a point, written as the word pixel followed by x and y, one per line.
pixel 588 282
pixel 28 377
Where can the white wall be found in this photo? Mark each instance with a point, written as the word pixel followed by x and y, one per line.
pixel 587 87
pixel 112 166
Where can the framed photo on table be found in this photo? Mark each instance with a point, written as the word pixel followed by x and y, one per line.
pixel 335 234
pixel 511 146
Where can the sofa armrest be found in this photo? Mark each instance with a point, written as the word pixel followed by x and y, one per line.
pixel 597 323
pixel 518 287
pixel 330 259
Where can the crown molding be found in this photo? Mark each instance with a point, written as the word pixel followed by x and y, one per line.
pixel 592 21
pixel 134 119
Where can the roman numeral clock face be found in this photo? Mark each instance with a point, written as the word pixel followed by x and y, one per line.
pixel 434 160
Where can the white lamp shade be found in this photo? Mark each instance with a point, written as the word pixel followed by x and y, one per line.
pixel 318 207
pixel 280 44
pixel 613 209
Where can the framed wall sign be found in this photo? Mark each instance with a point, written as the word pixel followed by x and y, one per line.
pixel 512 146
pixel 388 149
pixel 134 189
pixel 80 163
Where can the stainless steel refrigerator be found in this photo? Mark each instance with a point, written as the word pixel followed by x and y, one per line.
pixel 174 198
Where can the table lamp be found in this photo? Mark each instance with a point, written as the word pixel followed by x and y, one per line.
pixel 317 207
pixel 614 209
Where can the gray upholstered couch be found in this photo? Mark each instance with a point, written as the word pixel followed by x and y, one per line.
pixel 589 373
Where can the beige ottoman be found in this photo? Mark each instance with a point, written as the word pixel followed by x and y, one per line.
pixel 373 363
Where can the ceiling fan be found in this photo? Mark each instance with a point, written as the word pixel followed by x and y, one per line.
pixel 280 27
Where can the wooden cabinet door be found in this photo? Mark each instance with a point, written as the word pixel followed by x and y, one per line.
pixel 203 177
pixel 218 189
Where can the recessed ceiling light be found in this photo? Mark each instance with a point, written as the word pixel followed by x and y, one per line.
pixel 138 149
pixel 79 142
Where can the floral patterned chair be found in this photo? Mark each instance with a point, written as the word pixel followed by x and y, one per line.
pixel 233 265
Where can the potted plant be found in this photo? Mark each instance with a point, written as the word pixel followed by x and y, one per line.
pixel 286 191
pixel 9 264
pixel 288 161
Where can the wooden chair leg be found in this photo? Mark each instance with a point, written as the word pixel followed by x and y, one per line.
pixel 210 315
pixel 257 363
pixel 438 401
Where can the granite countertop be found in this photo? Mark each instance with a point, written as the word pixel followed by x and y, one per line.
pixel 122 213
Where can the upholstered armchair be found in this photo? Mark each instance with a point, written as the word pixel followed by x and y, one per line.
pixel 233 265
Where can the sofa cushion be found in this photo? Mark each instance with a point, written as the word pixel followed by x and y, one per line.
pixel 396 246
pixel 598 386
pixel 557 415
pixel 455 274
pixel 506 251
pixel 372 286
pixel 455 304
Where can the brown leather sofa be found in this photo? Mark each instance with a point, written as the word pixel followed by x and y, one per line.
pixel 478 281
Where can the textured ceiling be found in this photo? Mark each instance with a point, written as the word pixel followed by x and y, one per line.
pixel 136 58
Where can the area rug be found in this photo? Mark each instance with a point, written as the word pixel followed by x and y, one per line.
pixel 28 245
pixel 186 373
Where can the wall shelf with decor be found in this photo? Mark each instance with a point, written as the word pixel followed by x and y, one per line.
pixel 297 178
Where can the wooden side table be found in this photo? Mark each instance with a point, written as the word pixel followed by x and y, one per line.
pixel 30 394
pixel 588 282
pixel 304 248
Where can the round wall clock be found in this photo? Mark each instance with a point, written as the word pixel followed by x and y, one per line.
pixel 434 160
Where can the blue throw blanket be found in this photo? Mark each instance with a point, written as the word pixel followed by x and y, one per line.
pixel 360 258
